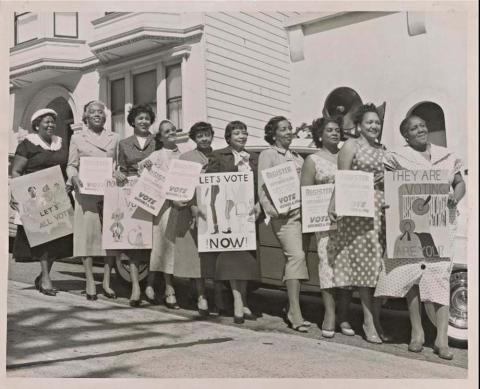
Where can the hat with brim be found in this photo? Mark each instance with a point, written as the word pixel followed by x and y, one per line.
pixel 43 112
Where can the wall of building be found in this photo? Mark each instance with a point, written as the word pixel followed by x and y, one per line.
pixel 247 70
pixel 382 62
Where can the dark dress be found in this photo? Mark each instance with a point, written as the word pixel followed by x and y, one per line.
pixel 130 153
pixel 234 265
pixel 39 159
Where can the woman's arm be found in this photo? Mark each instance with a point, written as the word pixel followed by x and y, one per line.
pixel 308 172
pixel 18 166
pixel 346 155
pixel 459 188
pixel 264 162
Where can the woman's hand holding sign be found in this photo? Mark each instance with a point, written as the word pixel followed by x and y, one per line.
pixel 77 184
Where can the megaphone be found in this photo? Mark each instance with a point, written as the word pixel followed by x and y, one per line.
pixel 342 103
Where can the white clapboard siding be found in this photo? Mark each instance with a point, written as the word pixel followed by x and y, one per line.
pixel 241 42
pixel 219 114
pixel 247 86
pixel 248 69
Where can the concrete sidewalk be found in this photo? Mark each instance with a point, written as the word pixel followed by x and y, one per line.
pixel 68 336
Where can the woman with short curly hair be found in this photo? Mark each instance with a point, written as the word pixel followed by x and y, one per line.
pixel 287 226
pixel 361 240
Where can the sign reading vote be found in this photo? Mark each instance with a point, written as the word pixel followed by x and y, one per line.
pixel 181 180
pixel 315 202
pixel 354 193
pixel 227 217
pixel 149 193
pixel 417 217
pixel 94 172
pixel 283 186
pixel 44 207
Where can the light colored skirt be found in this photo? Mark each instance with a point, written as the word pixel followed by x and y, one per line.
pixel 87 226
pixel 162 257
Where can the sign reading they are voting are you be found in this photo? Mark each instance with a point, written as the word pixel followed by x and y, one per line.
pixel 44 207
pixel 315 202
pixel 125 226
pixel 226 203
pixel 94 172
pixel 354 193
pixel 417 215
pixel 283 186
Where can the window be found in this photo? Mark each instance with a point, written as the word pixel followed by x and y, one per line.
pixel 117 105
pixel 433 115
pixel 26 27
pixel 65 24
pixel 145 89
pixel 174 95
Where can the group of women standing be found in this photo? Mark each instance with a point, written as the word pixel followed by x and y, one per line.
pixel 350 257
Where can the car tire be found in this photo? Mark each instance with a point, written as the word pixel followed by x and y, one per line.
pixel 458 318
pixel 122 269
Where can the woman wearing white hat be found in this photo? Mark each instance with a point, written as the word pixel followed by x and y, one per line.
pixel 41 149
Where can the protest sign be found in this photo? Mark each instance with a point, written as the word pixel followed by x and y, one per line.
pixel 149 192
pixel 93 173
pixel 125 226
pixel 417 214
pixel 44 207
pixel 354 193
pixel 182 178
pixel 226 201
pixel 315 202
pixel 283 186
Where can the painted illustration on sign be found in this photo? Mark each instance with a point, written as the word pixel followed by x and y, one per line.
pixel 354 193
pixel 417 216
pixel 94 172
pixel 315 202
pixel 226 203
pixel 125 226
pixel 44 207
pixel 283 186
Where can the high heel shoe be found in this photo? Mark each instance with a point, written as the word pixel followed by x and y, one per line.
pixel 47 292
pixel 171 305
pixel 202 308
pixel 328 333
pixel 135 303
pixel 108 295
pixel 443 352
pixel 371 338
pixel 37 282
pixel 346 329
pixel 238 319
pixel 299 328
pixel 415 346
pixel 91 297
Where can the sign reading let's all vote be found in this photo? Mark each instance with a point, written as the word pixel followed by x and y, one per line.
pixel 45 209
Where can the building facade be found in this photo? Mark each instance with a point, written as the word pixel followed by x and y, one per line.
pixel 188 66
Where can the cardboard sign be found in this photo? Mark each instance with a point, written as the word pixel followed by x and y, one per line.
pixel 94 172
pixel 226 201
pixel 417 216
pixel 354 193
pixel 149 192
pixel 315 202
pixel 182 178
pixel 125 226
pixel 283 186
pixel 44 207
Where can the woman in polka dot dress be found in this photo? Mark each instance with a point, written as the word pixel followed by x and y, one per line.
pixel 361 240
pixel 320 168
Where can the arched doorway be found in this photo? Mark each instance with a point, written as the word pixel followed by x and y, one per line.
pixel 433 115
pixel 64 118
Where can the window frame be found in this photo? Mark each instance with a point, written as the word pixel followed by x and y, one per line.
pixel 65 36
pixel 15 29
